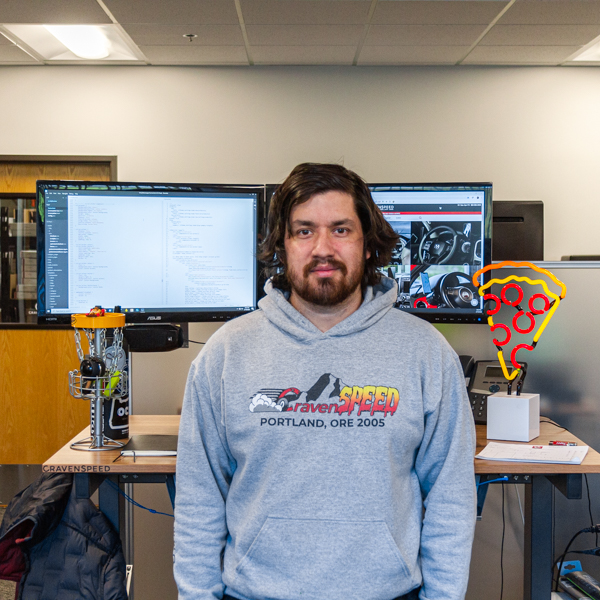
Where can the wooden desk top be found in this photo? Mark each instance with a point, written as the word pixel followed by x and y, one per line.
pixel 548 432
pixel 76 461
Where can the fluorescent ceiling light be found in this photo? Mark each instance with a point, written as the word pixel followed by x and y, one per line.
pixel 592 54
pixel 85 41
pixel 589 53
pixel 75 43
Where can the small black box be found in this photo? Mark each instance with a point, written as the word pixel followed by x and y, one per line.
pixel 518 230
pixel 153 338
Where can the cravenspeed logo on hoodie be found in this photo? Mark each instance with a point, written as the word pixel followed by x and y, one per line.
pixel 329 395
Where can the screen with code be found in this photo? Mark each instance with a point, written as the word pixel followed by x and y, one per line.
pixel 159 251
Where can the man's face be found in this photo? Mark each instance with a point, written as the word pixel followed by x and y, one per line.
pixel 325 258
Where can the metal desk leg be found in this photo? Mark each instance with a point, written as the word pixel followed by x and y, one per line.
pixel 111 503
pixel 120 514
pixel 127 532
pixel 171 489
pixel 538 539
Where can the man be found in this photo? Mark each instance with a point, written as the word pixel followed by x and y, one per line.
pixel 326 442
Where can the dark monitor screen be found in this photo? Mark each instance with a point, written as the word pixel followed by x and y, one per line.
pixel 162 252
pixel 518 230
pixel 445 237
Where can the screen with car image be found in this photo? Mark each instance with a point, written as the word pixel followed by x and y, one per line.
pixel 445 237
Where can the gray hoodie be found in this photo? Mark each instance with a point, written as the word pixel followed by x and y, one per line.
pixel 330 465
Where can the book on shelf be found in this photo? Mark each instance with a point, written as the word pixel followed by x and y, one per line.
pixel 150 445
pixel 25 295
pixel 21 229
pixel 29 215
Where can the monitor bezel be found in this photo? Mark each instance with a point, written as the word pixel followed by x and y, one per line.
pixel 448 315
pixel 162 316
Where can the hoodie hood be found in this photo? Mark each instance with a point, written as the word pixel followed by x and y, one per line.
pixel 377 301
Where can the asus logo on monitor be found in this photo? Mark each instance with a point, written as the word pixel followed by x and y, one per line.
pixel 154 318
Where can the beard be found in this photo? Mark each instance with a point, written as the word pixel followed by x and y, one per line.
pixel 325 291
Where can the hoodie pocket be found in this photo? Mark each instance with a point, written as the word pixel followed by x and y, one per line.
pixel 315 558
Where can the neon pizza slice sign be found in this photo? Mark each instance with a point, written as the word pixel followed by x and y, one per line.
pixel 524 321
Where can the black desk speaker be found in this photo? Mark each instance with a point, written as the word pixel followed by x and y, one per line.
pixel 153 338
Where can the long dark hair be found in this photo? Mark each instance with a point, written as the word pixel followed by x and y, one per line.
pixel 304 182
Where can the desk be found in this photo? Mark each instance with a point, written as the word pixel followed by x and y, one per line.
pixel 539 479
pixel 91 468
pixel 77 461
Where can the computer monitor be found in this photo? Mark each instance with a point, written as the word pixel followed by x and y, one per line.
pixel 162 252
pixel 445 237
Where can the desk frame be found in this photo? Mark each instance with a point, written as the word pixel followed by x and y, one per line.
pixel 91 468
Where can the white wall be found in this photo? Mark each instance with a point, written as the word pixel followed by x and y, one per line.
pixel 531 131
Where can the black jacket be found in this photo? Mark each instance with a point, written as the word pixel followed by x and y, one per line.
pixel 59 547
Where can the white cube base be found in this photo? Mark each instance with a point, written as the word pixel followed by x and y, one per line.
pixel 513 418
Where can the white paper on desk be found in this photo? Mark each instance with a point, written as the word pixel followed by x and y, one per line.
pixel 570 455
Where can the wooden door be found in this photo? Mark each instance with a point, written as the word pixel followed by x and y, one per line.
pixel 37 413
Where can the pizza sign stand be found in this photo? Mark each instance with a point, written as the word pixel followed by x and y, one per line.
pixel 516 417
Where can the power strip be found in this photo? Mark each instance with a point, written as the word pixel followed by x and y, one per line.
pixel 571 590
pixel 584 582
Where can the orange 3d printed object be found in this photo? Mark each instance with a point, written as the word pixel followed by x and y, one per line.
pixel 539 309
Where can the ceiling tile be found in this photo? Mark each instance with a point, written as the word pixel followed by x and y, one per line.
pixel 84 12
pixel 172 12
pixel 198 55
pixel 303 55
pixel 464 12
pixel 519 55
pixel 552 12
pixel 11 55
pixel 305 12
pixel 400 55
pixel 540 35
pixel 329 31
pixel 173 35
pixel 423 35
pixel 304 35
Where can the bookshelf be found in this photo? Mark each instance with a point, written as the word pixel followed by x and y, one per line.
pixel 18 270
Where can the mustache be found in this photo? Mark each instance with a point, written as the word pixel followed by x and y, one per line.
pixel 316 262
